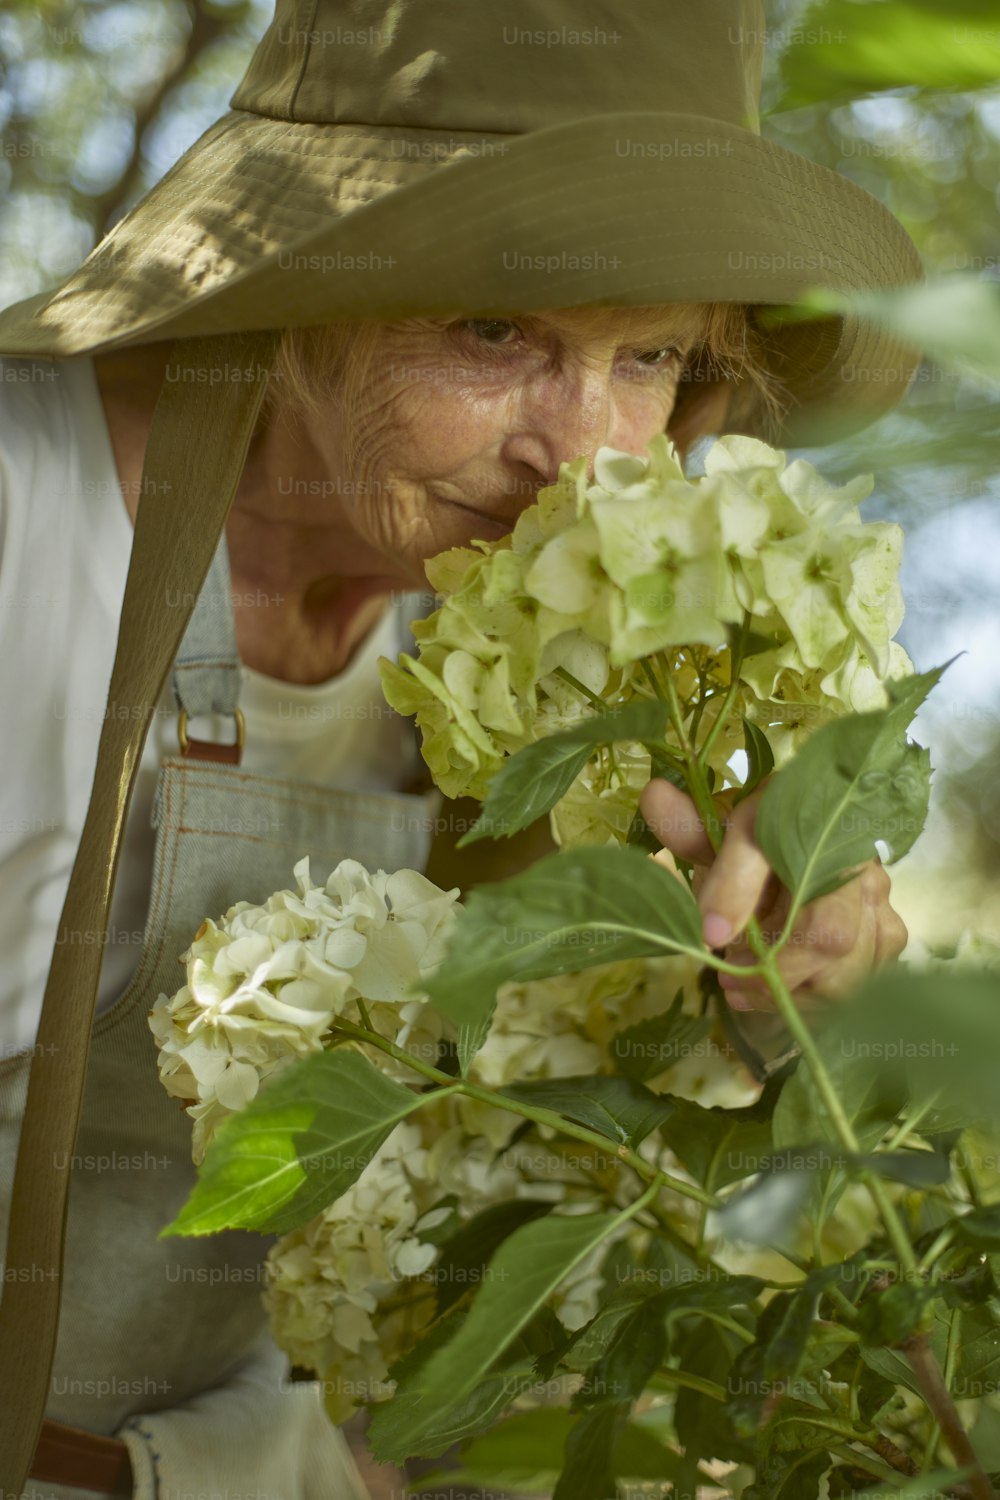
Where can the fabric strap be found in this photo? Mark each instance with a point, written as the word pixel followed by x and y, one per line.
pixel 206 677
pixel 201 430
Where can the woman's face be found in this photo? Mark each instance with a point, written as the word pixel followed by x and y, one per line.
pixel 463 422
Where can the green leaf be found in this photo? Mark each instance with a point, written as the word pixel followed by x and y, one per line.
pixel 789 1476
pixel 702 1423
pixel 936 1483
pixel 624 1369
pixel 523 1453
pixel 977 1372
pixel 478 1410
pixel 296 1147
pixel 893 1365
pixel 641 835
pixel 588 1473
pixel 650 1047
pixel 719 1146
pixel 854 782
pixel 921 1034
pixel 465 1254
pixel 661 764
pixel 980 1227
pixel 954 320
pixel 520 1453
pixel 760 758
pixel 840 50
pixel 772 1362
pixel 595 1338
pixel 800 1113
pixel 523 1273
pixel 984 1435
pixel 918 1169
pixel 744 643
pixel 619 1108
pixel 720 1292
pixel 640 1455
pixel 480 1407
pixel 972 1287
pixel 532 780
pixel 572 910
pixel 891 1315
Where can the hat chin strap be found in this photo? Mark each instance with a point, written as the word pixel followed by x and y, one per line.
pixel 201 431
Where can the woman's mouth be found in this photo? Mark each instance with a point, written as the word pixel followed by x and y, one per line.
pixel 493 526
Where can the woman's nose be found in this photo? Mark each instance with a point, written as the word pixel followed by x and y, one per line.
pixel 560 415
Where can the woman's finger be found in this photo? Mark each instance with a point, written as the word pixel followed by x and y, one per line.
pixel 736 882
pixel 672 816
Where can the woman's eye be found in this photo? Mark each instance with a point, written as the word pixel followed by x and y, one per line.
pixel 657 357
pixel 491 330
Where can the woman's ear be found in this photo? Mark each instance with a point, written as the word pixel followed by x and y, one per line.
pixel 699 411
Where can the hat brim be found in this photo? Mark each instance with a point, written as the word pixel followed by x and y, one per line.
pixel 265 223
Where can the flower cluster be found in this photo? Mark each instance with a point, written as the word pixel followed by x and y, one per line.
pixel 759 569
pixel 265 983
pixel 352 1291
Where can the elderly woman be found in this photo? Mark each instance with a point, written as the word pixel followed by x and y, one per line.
pixel 418 265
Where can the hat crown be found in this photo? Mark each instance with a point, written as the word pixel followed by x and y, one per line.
pixel 523 66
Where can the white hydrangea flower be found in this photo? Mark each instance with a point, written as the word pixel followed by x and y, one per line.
pixel 350 1292
pixel 327 1281
pixel 265 983
pixel 646 564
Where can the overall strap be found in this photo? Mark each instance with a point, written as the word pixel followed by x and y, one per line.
pixel 206 676
pixel 201 431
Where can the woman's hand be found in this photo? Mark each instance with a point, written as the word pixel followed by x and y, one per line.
pixel 836 939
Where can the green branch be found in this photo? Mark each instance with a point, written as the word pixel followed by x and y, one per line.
pixel 548 1117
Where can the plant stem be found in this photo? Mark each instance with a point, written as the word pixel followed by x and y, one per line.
pixel 937 1248
pixel 831 1100
pixel 968 1177
pixel 745 1334
pixel 909 1125
pixel 917 1350
pixel 677 714
pixel 581 687
pixel 792 1017
pixel 653 681
pixel 668 1378
pixel 694 776
pixel 365 1017
pixel 549 1117
pixel 949 1368
pixel 736 663
pixel 862 1461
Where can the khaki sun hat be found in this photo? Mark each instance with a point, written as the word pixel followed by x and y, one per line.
pixel 397 158
pixel 388 158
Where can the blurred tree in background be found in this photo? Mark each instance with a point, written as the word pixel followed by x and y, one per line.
pixel 99 97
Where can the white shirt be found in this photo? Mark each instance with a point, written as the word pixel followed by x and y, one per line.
pixel 65 542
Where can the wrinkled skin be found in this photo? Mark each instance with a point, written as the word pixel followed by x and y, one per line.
pixel 463 423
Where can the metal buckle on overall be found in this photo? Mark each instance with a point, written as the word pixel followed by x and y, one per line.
pixel 208 749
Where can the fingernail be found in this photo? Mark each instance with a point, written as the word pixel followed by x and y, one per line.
pixel 716 929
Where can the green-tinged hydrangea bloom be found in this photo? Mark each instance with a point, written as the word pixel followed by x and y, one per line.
pixel 643 566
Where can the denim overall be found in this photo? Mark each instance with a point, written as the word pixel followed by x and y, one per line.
pixel 147 1324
